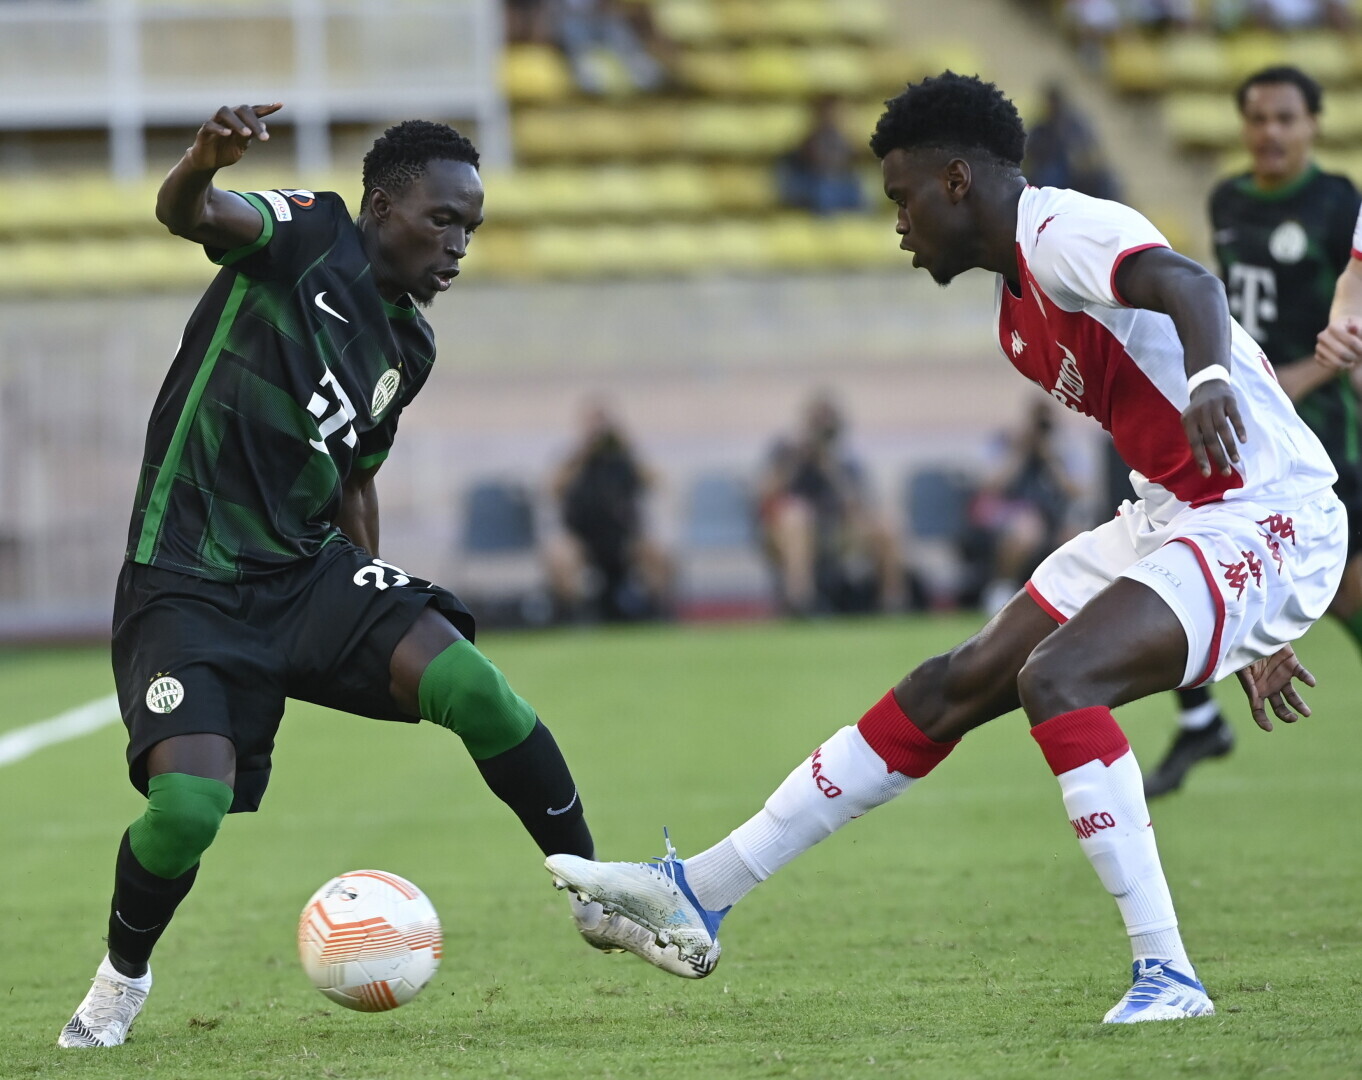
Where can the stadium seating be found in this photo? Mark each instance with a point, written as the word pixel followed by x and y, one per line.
pixel 614 184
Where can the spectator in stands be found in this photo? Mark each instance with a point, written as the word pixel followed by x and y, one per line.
pixel 604 46
pixel 829 548
pixel 1025 508
pixel 1062 151
pixel 819 174
pixel 1288 15
pixel 603 563
pixel 529 22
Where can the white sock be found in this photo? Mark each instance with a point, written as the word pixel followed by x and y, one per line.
pixel 1107 810
pixel 1199 716
pixel 841 780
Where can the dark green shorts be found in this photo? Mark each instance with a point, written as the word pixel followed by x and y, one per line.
pixel 192 655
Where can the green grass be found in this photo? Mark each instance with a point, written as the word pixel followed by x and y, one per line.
pixel 957 933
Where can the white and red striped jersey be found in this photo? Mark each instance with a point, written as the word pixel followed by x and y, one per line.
pixel 1070 332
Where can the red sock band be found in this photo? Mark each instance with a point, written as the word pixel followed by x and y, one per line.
pixel 900 741
pixel 1075 738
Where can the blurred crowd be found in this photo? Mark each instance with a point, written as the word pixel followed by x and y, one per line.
pixel 600 39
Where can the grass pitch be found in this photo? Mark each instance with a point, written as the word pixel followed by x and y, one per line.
pixel 957 933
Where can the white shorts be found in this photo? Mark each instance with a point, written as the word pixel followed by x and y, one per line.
pixel 1271 572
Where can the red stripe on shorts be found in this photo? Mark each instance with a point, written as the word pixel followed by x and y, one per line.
pixel 1045 604
pixel 1218 599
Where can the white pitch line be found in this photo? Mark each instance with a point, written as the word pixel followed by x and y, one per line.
pixel 83 719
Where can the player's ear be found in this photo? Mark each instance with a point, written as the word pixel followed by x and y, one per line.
pixel 957 177
pixel 380 205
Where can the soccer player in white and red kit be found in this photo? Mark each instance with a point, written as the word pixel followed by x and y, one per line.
pixel 1233 549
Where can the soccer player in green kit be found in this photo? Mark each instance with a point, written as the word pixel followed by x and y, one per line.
pixel 1281 233
pixel 253 572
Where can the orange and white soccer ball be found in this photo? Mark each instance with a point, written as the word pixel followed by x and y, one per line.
pixel 369 940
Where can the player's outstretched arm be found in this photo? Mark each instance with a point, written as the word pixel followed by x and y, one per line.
pixel 1269 680
pixel 190 206
pixel 1160 279
pixel 1339 345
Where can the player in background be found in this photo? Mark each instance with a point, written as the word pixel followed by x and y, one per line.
pixel 1234 549
pixel 1281 237
pixel 253 570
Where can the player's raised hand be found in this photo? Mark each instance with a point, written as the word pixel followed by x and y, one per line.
pixel 1269 680
pixel 1214 429
pixel 1339 345
pixel 223 140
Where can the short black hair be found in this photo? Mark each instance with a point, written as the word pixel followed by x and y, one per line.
pixel 1276 76
pixel 952 112
pixel 401 154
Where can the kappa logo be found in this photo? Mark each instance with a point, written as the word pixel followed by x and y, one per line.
pixel 320 301
pixel 1017 343
pixel 826 786
pixel 385 391
pixel 1045 223
pixel 165 693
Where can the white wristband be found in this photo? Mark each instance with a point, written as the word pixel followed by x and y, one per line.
pixel 1213 373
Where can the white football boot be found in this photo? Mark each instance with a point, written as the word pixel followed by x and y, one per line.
pixel 105 1017
pixel 654 898
pixel 616 933
pixel 1160 992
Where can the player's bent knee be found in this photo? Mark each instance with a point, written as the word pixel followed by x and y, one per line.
pixel 1049 683
pixel 182 818
pixel 464 691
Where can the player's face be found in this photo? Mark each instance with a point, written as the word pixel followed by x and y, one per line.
pixel 424 230
pixel 932 222
pixel 1278 131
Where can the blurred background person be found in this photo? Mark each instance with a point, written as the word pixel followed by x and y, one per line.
pixel 828 547
pixel 1283 233
pixel 600 35
pixel 603 564
pixel 1025 510
pixel 1062 150
pixel 820 174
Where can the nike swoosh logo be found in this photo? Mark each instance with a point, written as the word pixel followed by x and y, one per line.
pixel 321 303
pixel 569 806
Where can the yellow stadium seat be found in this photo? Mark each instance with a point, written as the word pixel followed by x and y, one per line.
pixel 563 251
pixel 732 130
pixel 776 71
pixel 605 131
pixel 671 248
pixel 838 69
pixel 744 189
pixel 535 73
pixel 802 20
pixel 680 189
pixel 865 241
pixel 1342 119
pixel 737 245
pixel 1252 51
pixel 1137 65
pixel 1196 60
pixel 935 55
pixel 743 19
pixel 544 133
pixel 891 69
pixel 688 22
pixel 660 129
pixel 499 252
pixel 624 191
pixel 866 20
pixel 1325 55
pixel 513 196
pixel 1201 119
pixel 720 72
pixel 797 242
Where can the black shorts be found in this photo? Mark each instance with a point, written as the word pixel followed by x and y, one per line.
pixel 192 655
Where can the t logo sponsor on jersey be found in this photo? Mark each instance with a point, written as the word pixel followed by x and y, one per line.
pixel 320 301
pixel 1253 298
pixel 1068 388
pixel 341 418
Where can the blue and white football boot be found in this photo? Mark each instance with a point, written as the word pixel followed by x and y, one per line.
pixel 678 935
pixel 1160 992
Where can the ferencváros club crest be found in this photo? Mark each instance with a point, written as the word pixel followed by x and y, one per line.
pixel 164 694
pixel 385 391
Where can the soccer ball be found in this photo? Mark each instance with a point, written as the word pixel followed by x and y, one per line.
pixel 369 940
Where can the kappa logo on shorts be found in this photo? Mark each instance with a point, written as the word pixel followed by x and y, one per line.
pixel 165 693
pixel 385 391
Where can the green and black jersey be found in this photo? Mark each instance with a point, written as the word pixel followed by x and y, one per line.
pixel 1280 254
pixel 292 372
